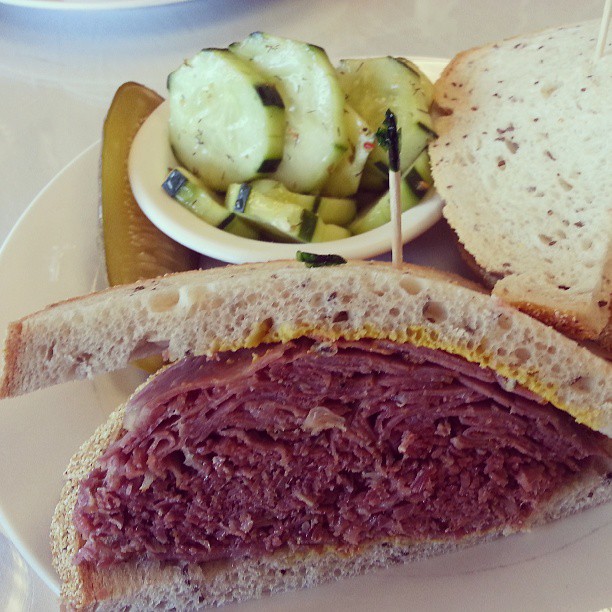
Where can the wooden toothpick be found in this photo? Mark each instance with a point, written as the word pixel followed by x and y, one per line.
pixel 603 30
pixel 397 249
pixel 388 138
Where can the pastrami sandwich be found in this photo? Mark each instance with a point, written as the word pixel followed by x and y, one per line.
pixel 314 423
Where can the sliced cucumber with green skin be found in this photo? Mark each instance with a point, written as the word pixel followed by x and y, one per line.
pixel 419 177
pixel 425 84
pixel 414 185
pixel 339 211
pixel 316 134
pixel 286 221
pixel 227 120
pixel 326 232
pixel 275 189
pixel 181 185
pixel 346 175
pixel 374 85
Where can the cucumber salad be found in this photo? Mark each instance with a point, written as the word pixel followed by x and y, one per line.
pixel 275 143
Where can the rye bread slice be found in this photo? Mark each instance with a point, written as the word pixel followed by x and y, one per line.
pixel 522 162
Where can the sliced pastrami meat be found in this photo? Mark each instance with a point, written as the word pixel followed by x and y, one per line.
pixel 307 444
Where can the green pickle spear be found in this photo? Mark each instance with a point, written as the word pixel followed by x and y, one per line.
pixel 134 248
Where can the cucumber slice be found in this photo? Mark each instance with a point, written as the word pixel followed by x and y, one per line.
pixel 424 83
pixel 374 85
pixel 413 187
pixel 285 221
pixel 316 134
pixel 346 175
pixel 419 177
pixel 326 232
pixel 339 211
pixel 275 189
pixel 227 120
pixel 185 188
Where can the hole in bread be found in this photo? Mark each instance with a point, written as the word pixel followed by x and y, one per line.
pixel 548 90
pixel 163 301
pixel 190 295
pixel 512 146
pixel 583 384
pixel 80 365
pixel 521 354
pixel 252 298
pixel 341 316
pixel 411 285
pixel 316 299
pixel 434 312
pixel 504 321
pixel 145 348
pixel 547 240
pixel 394 312
pixel 214 301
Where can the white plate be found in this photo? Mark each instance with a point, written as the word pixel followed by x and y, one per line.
pixel 151 158
pixel 53 254
pixel 88 5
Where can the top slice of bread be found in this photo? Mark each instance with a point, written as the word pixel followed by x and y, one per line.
pixel 523 164
pixel 202 312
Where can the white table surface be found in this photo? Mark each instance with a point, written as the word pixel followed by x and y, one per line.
pixel 60 68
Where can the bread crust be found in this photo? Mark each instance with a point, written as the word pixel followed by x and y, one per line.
pixel 525 189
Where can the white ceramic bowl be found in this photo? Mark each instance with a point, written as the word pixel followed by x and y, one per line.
pixel 151 159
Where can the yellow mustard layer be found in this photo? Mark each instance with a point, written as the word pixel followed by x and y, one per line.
pixel 419 336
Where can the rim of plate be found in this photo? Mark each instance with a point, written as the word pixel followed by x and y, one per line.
pixel 85 5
